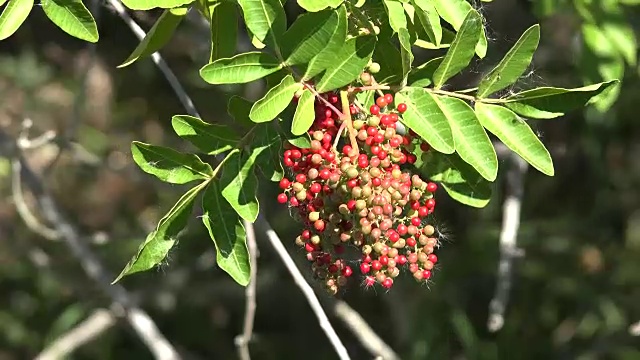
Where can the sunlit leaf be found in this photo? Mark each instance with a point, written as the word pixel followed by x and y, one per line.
pixel 13 15
pixel 211 139
pixel 516 134
pixel 308 36
pixel 228 234
pixel 322 61
pixel 317 5
pixel 158 36
pixel 265 19
pixel 242 68
pixel 471 141
pixel 454 12
pixel 275 100
pixel 425 118
pixel 550 102
pixel 347 64
pixel 151 4
pixel 169 165
pixel 158 243
pixel 512 65
pixel 428 17
pixel 240 184
pixel 461 50
pixel 305 114
pixel 72 17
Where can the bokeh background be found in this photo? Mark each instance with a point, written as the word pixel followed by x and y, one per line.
pixel 575 293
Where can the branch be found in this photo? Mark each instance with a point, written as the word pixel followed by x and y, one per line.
pixel 359 327
pixel 634 329
pixel 508 240
pixel 92 265
pixel 306 289
pixel 157 59
pixel 242 341
pixel 85 332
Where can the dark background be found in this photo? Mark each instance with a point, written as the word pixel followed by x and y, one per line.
pixel 574 295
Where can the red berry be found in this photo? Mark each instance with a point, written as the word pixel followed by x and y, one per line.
pixel 394 237
pixel 388 98
pixel 387 283
pixel 376 265
pixel 416 221
pixel 426 274
pixel 425 146
pixel 431 203
pixel 402 107
pixel 393 117
pixel 306 234
pixel 374 110
pixel 301 178
pixel 315 188
pixel 319 225
pixel 401 259
pixel 411 242
pixel 381 102
pixel 402 229
pixel 433 258
pixel 365 268
pixel 347 271
pixel 432 187
pixel 284 183
pixel 369 281
pixel 423 211
pixel 282 198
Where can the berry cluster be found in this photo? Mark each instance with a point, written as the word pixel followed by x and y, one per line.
pixel 361 198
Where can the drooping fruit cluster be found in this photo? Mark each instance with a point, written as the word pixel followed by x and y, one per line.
pixel 360 208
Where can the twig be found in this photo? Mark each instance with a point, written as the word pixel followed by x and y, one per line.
pixel 137 318
pixel 157 59
pixel 359 327
pixel 88 330
pixel 346 118
pixel 634 329
pixel 242 341
pixel 508 241
pixel 306 289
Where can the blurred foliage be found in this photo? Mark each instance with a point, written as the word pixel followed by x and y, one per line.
pixel 575 292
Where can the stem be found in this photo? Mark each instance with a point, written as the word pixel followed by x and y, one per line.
pixel 325 101
pixel 344 97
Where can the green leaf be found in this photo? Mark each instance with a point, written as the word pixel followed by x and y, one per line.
pixel 303 141
pixel 211 139
pixel 425 118
pixel 275 101
pixel 228 234
pixel 395 11
pixel 223 24
pixel 13 15
pixel 422 75
pixel 305 114
pixel 72 17
pixel 239 109
pixel 460 52
pixel 240 185
pixel 550 102
pixel 323 60
pixel 428 17
pixel 512 65
pixel 308 36
pixel 454 12
pixel 158 36
pixel 366 98
pixel 158 243
pixel 471 141
pixel 269 143
pixel 240 69
pixel 461 181
pixel 405 53
pixel 347 64
pixel 265 19
pixel 152 4
pixel 516 135
pixel 317 5
pixel 388 56
pixel 169 165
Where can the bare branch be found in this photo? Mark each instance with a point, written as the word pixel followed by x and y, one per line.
pixel 242 341
pixel 508 240
pixel 88 330
pixel 634 329
pixel 306 289
pixel 137 318
pixel 359 327
pixel 157 59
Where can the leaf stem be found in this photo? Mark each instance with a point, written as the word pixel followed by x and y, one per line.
pixel 219 166
pixel 344 98
pixel 325 101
